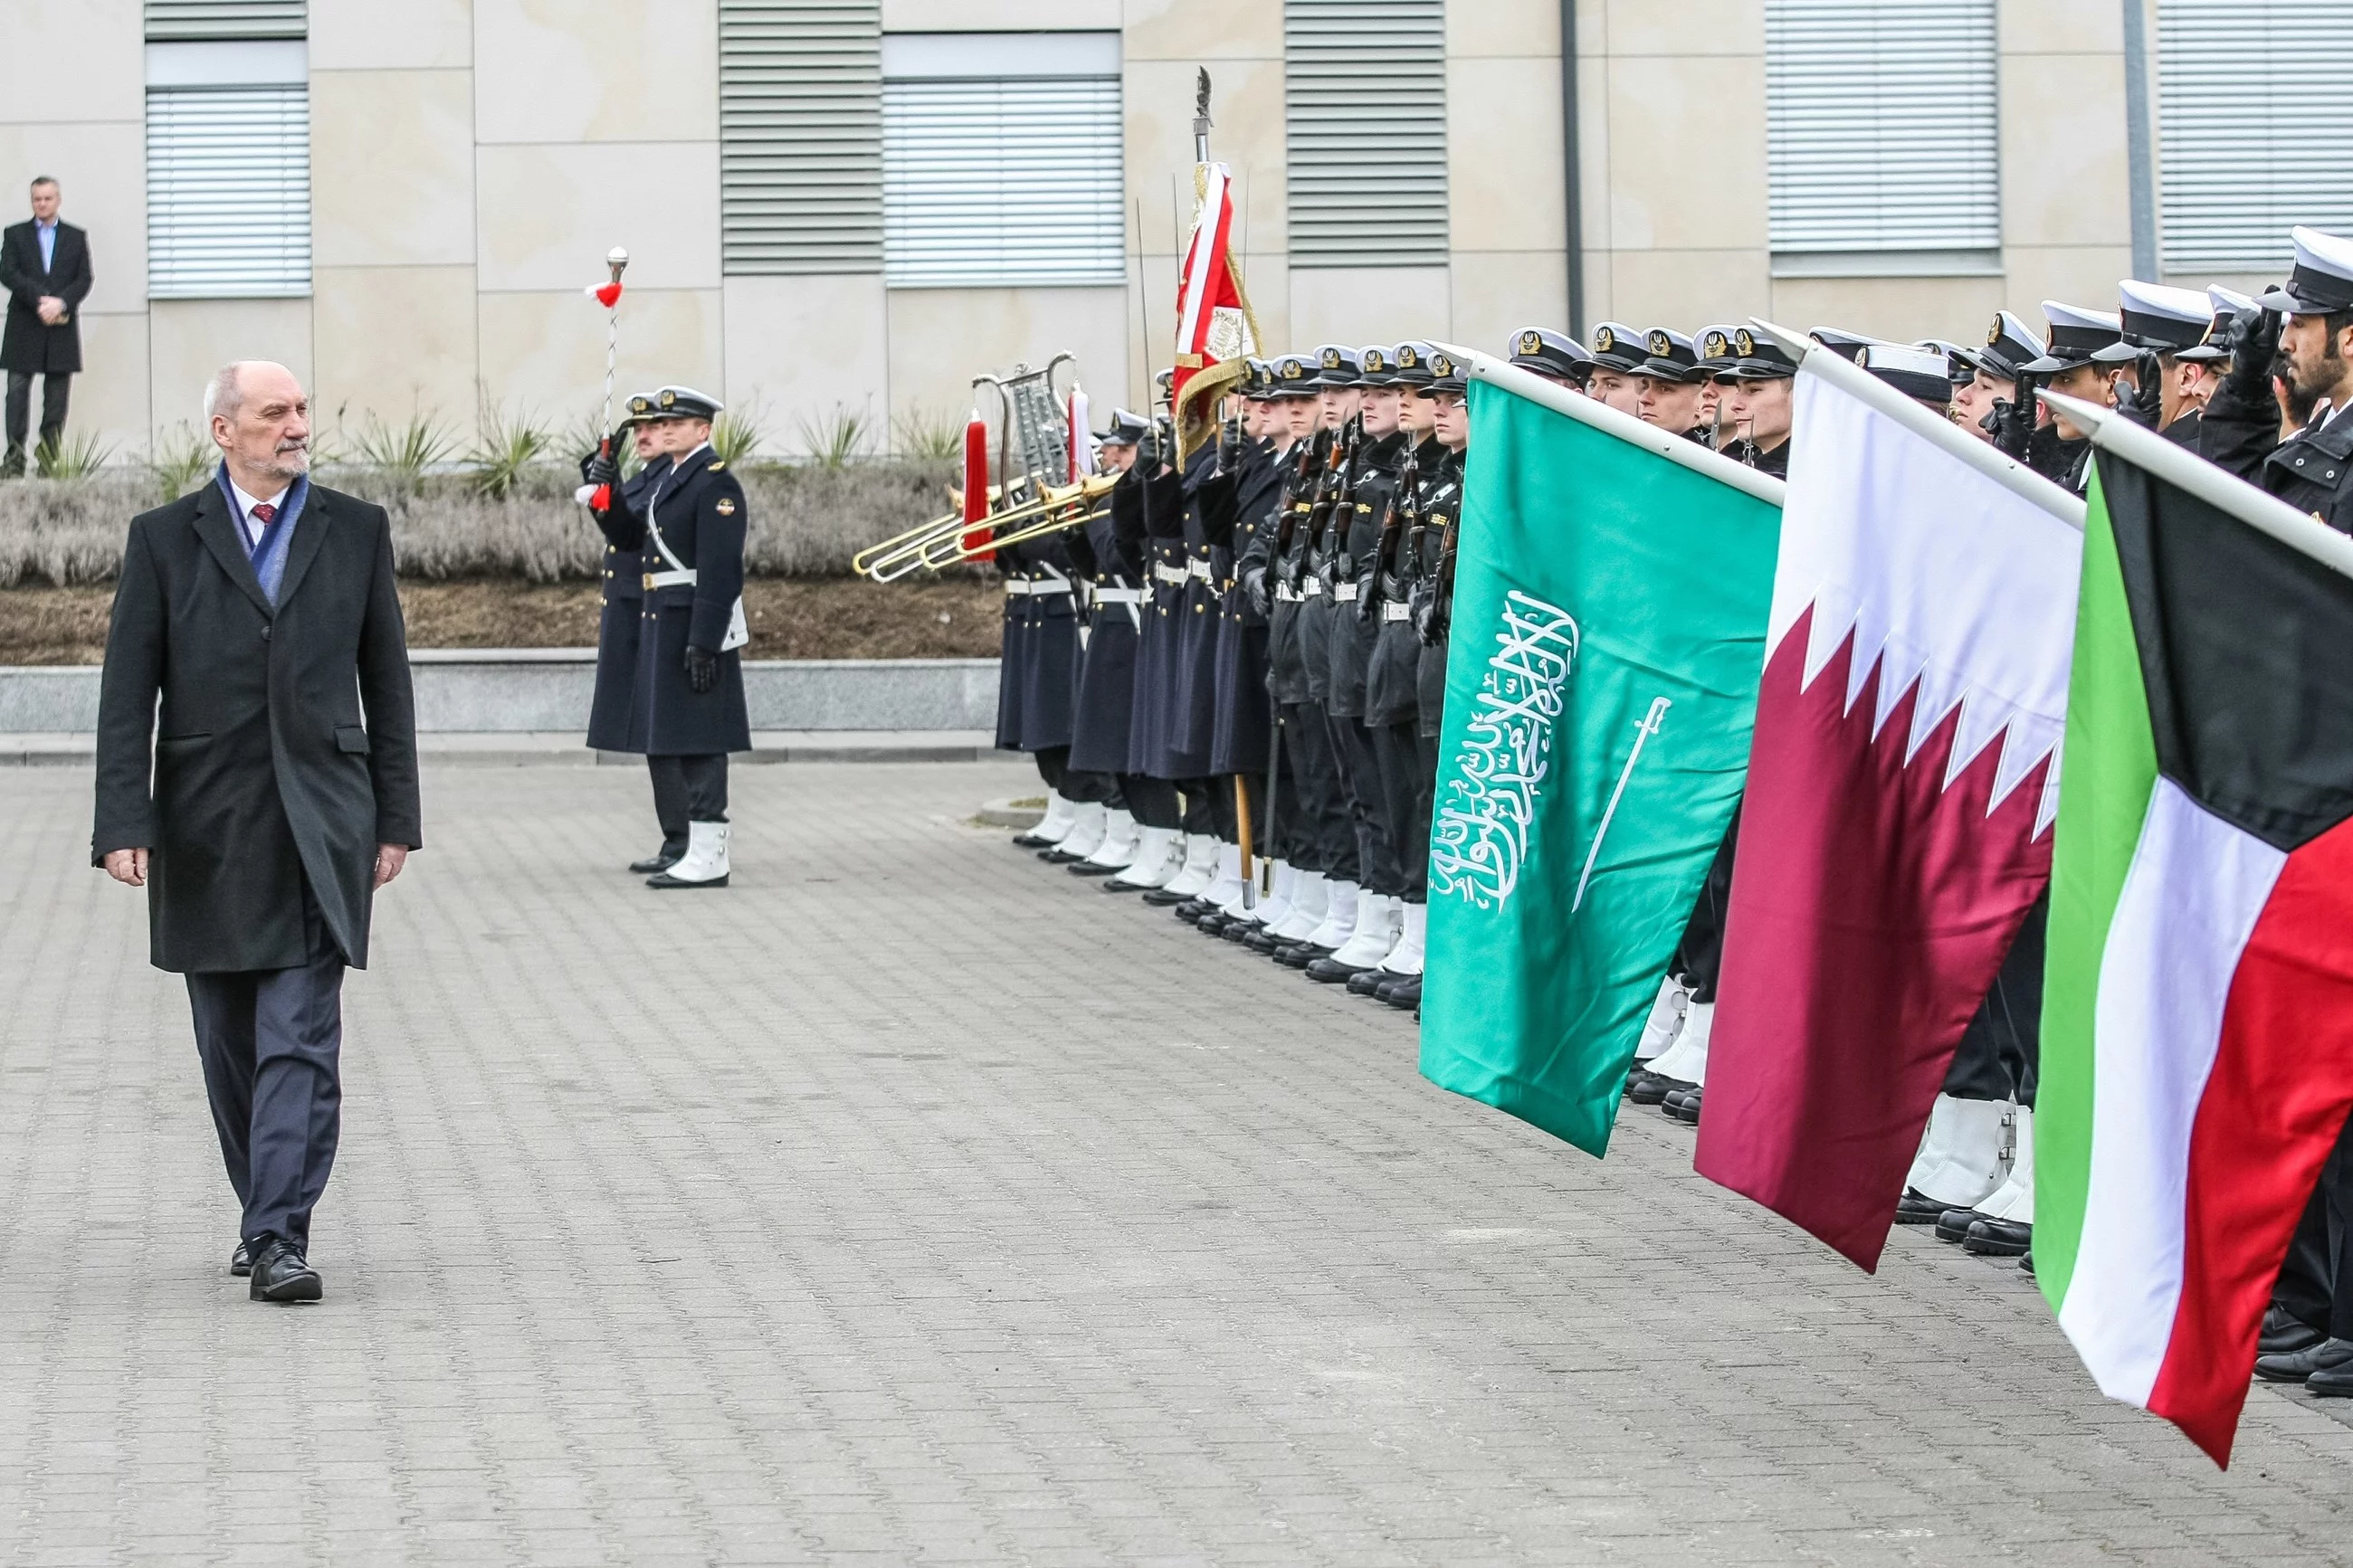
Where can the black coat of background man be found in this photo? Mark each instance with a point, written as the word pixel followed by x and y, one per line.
pixel 45 267
pixel 257 672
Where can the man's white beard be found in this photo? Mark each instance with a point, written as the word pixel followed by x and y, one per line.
pixel 290 463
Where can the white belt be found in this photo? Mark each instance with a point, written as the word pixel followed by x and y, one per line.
pixel 1026 588
pixel 1122 596
pixel 1393 611
pixel 1200 569
pixel 1285 594
pixel 1314 589
pixel 1170 574
pixel 682 578
pixel 1345 592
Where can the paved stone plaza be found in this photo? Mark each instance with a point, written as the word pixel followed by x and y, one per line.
pixel 910 1203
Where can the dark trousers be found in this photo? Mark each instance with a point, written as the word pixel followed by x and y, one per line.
pixel 688 789
pixel 56 387
pixel 2001 1049
pixel 1089 789
pixel 1699 957
pixel 1324 839
pixel 1274 806
pixel 272 1042
pixel 1053 761
pixel 1377 855
pixel 1404 802
pixel 1201 807
pixel 1152 801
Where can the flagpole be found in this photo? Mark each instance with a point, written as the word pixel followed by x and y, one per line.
pixel 1943 434
pixel 2217 486
pixel 1609 421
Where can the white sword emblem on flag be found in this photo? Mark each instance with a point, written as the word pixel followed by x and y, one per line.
pixel 1642 731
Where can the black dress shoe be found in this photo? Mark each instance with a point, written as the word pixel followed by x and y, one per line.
pixel 1687 1108
pixel 1366 984
pixel 2333 1382
pixel 1031 840
pixel 1162 898
pixel 1083 869
pixel 241 1262
pixel 1916 1207
pixel 1327 971
pixel 2284 1332
pixel 660 861
pixel 1057 855
pixel 280 1275
pixel 1406 996
pixel 1261 938
pixel 1210 924
pixel 1998 1238
pixel 1242 931
pixel 2026 1262
pixel 1300 954
pixel 1193 911
pixel 1672 1101
pixel 2334 1357
pixel 670 884
pixel 1654 1088
pixel 1953 1225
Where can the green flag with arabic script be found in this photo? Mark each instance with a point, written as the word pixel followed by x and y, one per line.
pixel 1609 633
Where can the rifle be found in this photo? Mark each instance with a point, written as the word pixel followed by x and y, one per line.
pixel 1323 451
pixel 1407 494
pixel 1335 486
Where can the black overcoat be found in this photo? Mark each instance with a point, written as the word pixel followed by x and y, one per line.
pixel 1244 717
pixel 1039 654
pixel 29 344
pixel 285 743
pixel 699 512
pixel 1109 562
pixel 621 615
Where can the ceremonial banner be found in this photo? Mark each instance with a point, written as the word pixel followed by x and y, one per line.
pixel 1216 330
pixel 2197 1018
pixel 1611 587
pixel 1899 797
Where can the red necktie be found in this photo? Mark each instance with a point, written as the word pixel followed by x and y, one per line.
pixel 265 512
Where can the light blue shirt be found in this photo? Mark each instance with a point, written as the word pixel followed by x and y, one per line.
pixel 49 235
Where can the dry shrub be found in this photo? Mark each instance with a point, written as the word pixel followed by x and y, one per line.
pixel 805 522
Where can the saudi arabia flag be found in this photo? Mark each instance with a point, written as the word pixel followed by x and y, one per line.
pixel 1611 591
pixel 2198 1016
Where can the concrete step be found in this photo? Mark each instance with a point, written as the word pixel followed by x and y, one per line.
pixel 564 748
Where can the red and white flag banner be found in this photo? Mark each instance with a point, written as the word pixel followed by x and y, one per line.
pixel 1216 330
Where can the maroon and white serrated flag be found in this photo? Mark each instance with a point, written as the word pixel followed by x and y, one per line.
pixel 1901 790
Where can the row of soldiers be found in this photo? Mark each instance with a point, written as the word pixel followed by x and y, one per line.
pixel 1272 613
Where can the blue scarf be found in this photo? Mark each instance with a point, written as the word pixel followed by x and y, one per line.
pixel 269 552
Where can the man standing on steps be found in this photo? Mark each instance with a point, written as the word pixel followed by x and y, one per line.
pixel 687 706
pixel 257 773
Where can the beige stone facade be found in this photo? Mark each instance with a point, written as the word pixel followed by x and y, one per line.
pixel 473 161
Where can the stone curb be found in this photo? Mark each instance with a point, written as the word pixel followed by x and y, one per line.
pixel 561 749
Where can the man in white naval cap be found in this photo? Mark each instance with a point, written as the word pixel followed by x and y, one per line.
pixel 2068 368
pixel 2307 321
pixel 2198 369
pixel 2157 323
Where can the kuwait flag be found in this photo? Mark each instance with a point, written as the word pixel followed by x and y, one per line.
pixel 1601 683
pixel 1899 797
pixel 2198 1018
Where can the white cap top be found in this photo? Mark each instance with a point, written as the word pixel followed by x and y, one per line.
pixel 2220 300
pixel 2062 316
pixel 2156 300
pixel 1902 357
pixel 2323 252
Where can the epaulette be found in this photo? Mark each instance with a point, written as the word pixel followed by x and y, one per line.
pixel 717 464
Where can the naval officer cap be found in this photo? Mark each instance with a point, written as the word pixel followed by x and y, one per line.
pixel 640 407
pixel 1556 355
pixel 1619 347
pixel 2155 318
pixel 1717 353
pixel 1254 383
pixel 1915 372
pixel 1337 366
pixel 2322 281
pixel 1126 429
pixel 2226 304
pixel 1293 377
pixel 1671 356
pixel 1448 374
pixel 1961 361
pixel 1755 357
pixel 1376 366
pixel 679 402
pixel 1848 346
pixel 1413 363
pixel 2011 346
pixel 2076 335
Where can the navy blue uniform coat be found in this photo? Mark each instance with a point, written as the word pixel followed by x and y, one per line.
pixel 700 508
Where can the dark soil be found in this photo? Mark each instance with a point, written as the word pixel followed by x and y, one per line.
pixel 791 619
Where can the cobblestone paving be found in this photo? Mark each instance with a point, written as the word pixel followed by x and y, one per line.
pixel 910 1203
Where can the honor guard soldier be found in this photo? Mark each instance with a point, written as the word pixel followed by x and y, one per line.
pixel 1674 390
pixel 2067 367
pixel 1756 385
pixel 2200 369
pixel 1615 379
pixel 621 614
pixel 2157 324
pixel 1109 567
pixel 1556 356
pixel 687 708
pixel 2305 321
pixel 1999 404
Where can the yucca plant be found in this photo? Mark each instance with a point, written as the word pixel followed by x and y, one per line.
pixel 582 437
pixel 833 439
pixel 926 433
pixel 181 461
pixel 734 438
pixel 402 453
pixel 503 448
pixel 74 457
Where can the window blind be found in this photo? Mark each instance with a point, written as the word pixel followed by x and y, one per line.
pixel 1364 102
pixel 228 192
pixel 197 20
pixel 800 136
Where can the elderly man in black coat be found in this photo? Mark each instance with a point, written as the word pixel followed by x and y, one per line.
pixel 257 773
pixel 44 271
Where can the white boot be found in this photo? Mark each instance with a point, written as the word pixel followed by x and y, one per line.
pixel 1062 816
pixel 1281 878
pixel 1160 855
pixel 1339 918
pixel 1197 870
pixel 1118 846
pixel 704 864
pixel 1666 1022
pixel 2014 1199
pixel 1309 900
pixel 1377 917
pixel 1961 1160
pixel 1413 932
pixel 1685 1061
pixel 1089 821
pixel 1226 887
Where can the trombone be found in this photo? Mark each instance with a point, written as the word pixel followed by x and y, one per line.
pixel 894 559
pixel 860 562
pixel 1069 506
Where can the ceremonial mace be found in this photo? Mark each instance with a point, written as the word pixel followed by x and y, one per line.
pixel 608 294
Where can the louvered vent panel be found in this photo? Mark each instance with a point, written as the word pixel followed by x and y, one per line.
pixel 1363 92
pixel 174 21
pixel 228 192
pixel 1010 181
pixel 800 136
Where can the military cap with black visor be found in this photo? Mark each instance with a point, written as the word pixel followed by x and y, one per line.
pixel 1620 348
pixel 2297 333
pixel 1669 356
pixel 1337 366
pixel 2077 336
pixel 1413 363
pixel 1550 353
pixel 1755 357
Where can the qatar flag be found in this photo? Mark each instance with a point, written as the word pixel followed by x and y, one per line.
pixel 1901 784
